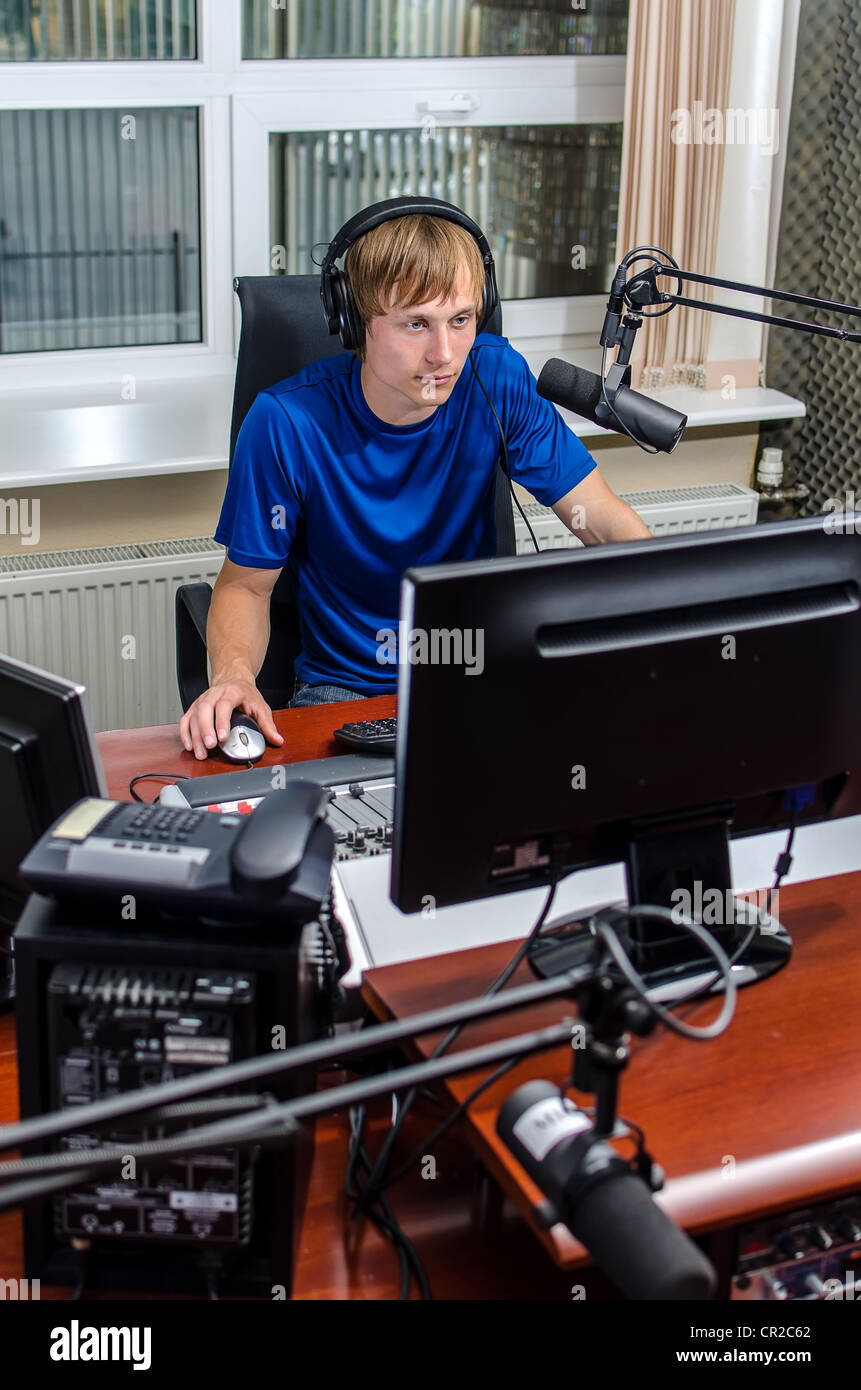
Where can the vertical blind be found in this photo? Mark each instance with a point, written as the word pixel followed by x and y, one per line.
pixel 431 28
pixel 81 30
pixel 545 196
pixel 99 228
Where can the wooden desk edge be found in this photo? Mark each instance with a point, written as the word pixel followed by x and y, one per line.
pixel 700 1202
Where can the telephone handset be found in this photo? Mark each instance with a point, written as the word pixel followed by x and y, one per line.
pixel 273 863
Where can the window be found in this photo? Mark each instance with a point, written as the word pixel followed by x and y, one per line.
pixel 81 30
pixel 99 228
pixel 431 28
pixel 259 126
pixel 563 244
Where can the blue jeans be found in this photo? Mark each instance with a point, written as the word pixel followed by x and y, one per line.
pixel 305 694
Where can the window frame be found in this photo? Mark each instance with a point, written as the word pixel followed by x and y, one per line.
pixel 240 102
pixel 325 95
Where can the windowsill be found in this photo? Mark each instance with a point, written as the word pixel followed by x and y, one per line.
pixel 87 434
pixel 705 408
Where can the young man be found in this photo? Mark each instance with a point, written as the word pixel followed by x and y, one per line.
pixel 363 465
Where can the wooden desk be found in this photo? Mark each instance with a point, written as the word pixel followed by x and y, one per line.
pixel 777 1093
pixel 765 1118
pixel 307 734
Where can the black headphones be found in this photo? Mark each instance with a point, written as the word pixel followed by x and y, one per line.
pixel 339 306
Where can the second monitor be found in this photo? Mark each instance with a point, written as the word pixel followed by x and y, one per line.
pixel 637 702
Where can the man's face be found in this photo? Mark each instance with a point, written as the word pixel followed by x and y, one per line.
pixel 414 356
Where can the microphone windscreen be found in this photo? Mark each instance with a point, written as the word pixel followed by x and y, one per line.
pixel 571 387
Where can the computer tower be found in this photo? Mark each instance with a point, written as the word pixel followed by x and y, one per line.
pixel 106 1007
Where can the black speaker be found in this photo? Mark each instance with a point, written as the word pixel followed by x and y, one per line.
pixel 104 1009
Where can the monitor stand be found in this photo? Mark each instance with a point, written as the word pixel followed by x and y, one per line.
pixel 681 863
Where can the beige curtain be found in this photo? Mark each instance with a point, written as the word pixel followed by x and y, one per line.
pixel 679 57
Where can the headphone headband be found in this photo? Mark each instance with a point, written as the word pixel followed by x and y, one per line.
pixel 338 304
pixel 387 211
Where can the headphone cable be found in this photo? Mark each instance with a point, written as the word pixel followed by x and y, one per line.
pixel 505 465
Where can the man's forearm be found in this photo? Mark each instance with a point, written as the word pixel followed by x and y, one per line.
pixel 237 633
pixel 594 514
pixel 619 523
pixel 608 521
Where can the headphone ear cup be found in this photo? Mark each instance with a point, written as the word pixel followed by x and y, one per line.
pixel 339 313
pixel 354 328
pixel 483 314
pixel 489 297
pixel 350 326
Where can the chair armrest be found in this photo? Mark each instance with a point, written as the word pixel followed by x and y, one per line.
pixel 192 610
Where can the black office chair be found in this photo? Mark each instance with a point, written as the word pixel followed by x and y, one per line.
pixel 283 330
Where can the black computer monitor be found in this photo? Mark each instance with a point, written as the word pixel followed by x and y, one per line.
pixel 48 761
pixel 634 702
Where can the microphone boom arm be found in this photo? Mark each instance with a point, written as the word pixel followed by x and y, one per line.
pixel 641 291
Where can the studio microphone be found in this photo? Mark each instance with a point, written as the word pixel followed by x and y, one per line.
pixel 604 1204
pixel 650 422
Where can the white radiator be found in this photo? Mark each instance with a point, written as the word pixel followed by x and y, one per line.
pixel 105 617
pixel 666 511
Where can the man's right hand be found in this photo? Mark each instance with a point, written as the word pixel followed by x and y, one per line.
pixel 207 721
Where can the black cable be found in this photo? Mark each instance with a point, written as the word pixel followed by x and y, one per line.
pixel 638 984
pixel 403 1240
pixel 357 1159
pixel 621 423
pixel 784 861
pixel 506 469
pixel 781 869
pixel 357 1115
pixel 377 1176
pixel 170 777
pixel 384 1219
pixel 455 1114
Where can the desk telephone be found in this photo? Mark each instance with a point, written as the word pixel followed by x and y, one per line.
pixel 273 864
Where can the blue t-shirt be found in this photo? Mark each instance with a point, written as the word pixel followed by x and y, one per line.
pixel 348 502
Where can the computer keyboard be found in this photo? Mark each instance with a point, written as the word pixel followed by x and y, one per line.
pixel 369 735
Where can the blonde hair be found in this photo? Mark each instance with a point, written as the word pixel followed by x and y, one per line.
pixel 421 254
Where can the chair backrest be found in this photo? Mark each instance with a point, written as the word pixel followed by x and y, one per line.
pixel 282 331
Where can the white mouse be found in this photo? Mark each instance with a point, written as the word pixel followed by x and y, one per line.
pixel 244 743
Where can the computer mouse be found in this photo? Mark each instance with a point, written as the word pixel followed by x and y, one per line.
pixel 244 743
